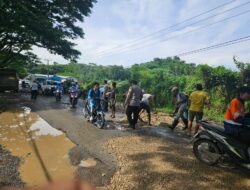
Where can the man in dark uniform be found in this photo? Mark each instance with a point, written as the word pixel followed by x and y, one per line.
pixel 132 103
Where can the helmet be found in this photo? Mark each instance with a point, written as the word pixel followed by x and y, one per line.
pixel 174 89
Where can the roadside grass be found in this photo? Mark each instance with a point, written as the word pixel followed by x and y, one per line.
pixel 209 114
pixel 213 115
pixel 168 109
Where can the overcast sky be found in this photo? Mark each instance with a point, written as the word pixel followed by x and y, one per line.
pixel 115 23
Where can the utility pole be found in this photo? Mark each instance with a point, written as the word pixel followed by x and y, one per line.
pixel 48 60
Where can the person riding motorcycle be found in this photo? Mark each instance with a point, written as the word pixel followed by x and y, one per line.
pixel 59 87
pixel 181 108
pixel 94 95
pixel 237 120
pixel 58 90
pixel 73 88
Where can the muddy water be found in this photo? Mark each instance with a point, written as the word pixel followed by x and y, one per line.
pixel 23 132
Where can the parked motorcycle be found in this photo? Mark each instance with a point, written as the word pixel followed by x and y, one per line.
pixel 58 95
pixel 98 114
pixel 212 144
pixel 73 97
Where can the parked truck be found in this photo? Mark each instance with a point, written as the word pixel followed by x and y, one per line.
pixel 8 80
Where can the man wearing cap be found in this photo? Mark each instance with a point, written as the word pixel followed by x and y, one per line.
pixel 181 107
pixel 132 103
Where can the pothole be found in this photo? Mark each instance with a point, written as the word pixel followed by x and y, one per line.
pixel 44 149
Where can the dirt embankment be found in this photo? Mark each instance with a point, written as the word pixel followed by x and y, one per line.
pixel 151 163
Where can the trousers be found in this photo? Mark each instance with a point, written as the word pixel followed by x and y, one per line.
pixel 132 113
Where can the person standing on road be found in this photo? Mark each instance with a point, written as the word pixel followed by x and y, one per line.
pixel 34 90
pixel 132 103
pixel 197 100
pixel 181 108
pixel 112 96
pixel 105 96
pixel 23 85
pixel 147 99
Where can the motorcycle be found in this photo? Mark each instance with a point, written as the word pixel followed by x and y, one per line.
pixel 98 114
pixel 73 97
pixel 58 95
pixel 212 145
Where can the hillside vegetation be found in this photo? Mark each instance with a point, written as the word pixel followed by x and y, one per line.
pixel 159 76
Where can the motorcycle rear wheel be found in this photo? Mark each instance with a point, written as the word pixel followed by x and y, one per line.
pixel 206 151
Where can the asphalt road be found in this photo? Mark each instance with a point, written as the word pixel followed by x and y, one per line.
pixel 88 138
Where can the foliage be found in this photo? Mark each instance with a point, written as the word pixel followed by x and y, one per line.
pixel 50 24
pixel 158 77
pixel 244 72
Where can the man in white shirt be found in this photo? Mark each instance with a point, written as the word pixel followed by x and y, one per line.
pixel 34 90
pixel 145 105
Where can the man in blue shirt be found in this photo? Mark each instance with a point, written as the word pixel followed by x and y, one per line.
pixel 94 95
pixel 73 87
pixel 59 86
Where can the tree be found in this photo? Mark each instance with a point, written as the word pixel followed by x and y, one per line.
pixel 244 71
pixel 219 78
pixel 49 24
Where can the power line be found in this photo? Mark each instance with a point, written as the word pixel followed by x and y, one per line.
pixel 176 36
pixel 223 44
pixel 167 28
pixel 207 18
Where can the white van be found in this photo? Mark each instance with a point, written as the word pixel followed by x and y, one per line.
pixel 48 87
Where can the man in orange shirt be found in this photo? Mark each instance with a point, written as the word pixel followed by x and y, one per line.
pixel 237 119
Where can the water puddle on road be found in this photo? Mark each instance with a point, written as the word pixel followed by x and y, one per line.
pixel 117 123
pixel 42 148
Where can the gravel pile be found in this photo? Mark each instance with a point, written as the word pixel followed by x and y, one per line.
pixel 150 163
pixel 9 175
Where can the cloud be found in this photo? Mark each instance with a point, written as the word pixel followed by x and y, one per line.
pixel 114 23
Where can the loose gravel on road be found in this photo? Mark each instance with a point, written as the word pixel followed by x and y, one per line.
pixel 151 163
pixel 9 175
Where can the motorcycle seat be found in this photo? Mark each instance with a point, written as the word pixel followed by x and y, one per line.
pixel 232 123
pixel 213 127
